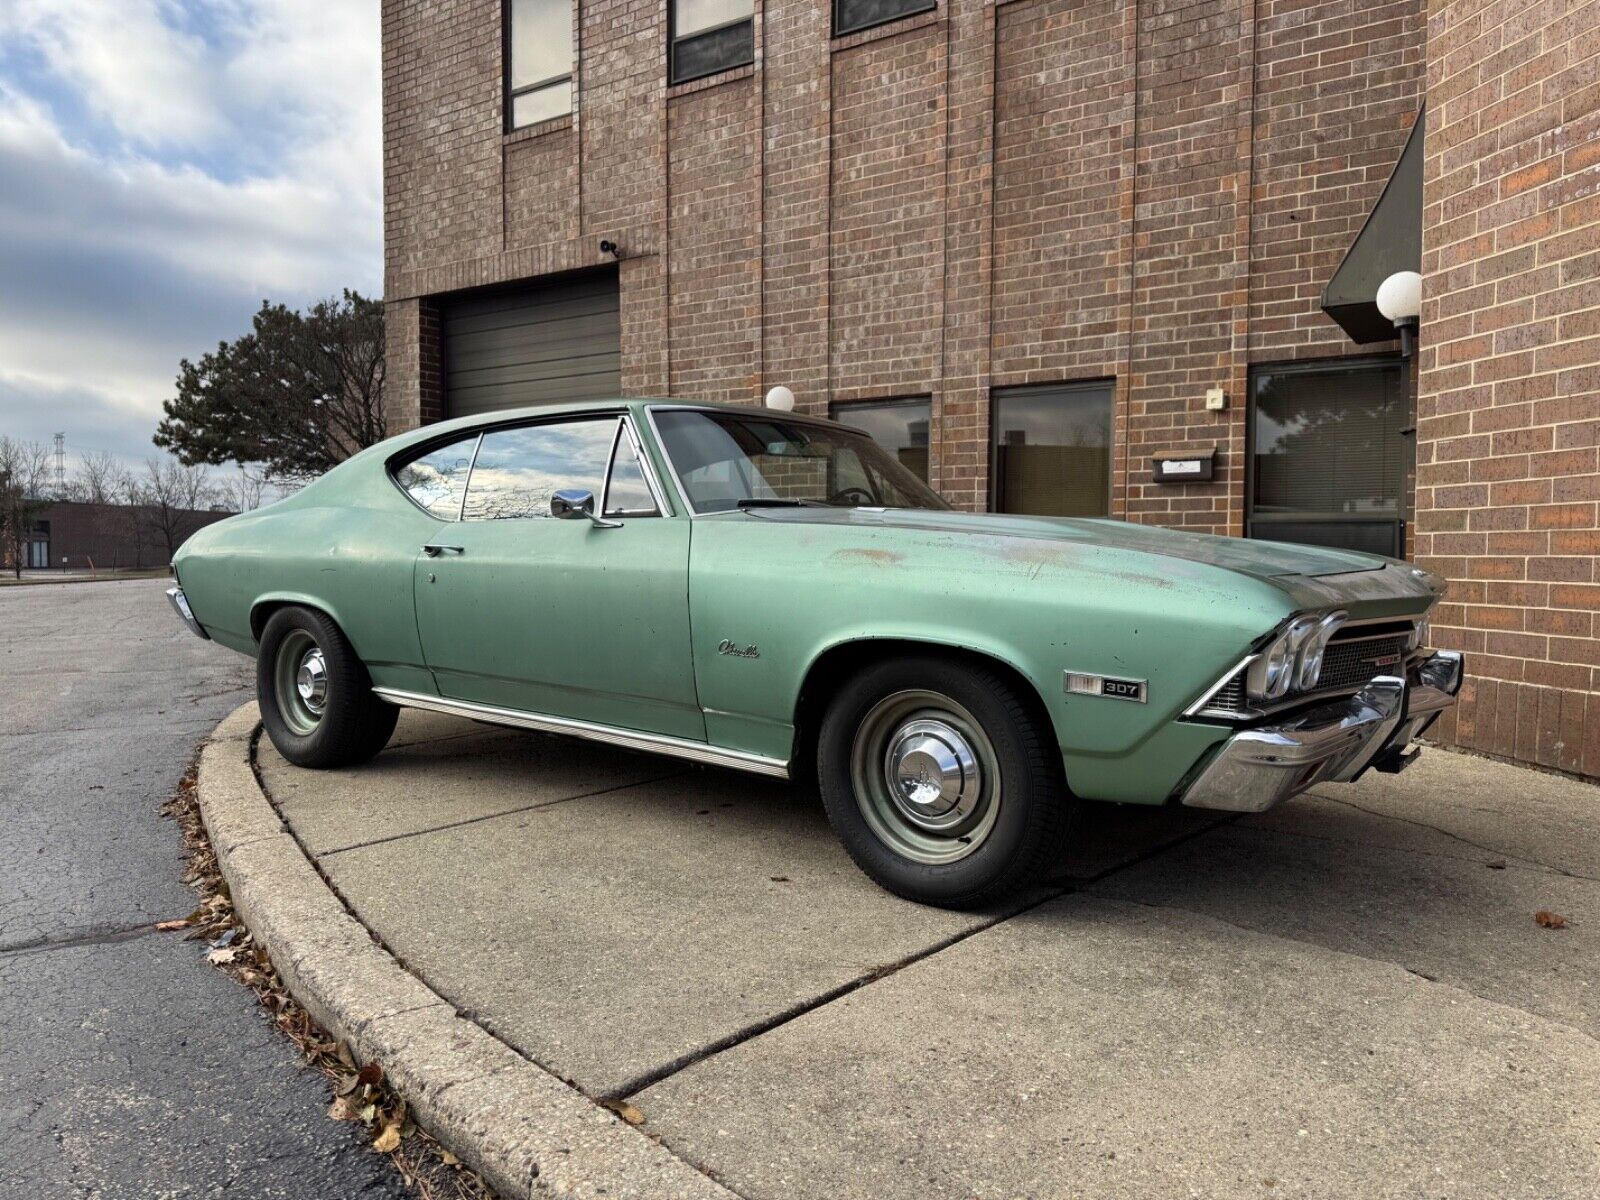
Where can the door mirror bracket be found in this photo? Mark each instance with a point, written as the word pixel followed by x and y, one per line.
pixel 570 504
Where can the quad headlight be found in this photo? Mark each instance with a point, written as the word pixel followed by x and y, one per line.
pixel 1421 632
pixel 1292 661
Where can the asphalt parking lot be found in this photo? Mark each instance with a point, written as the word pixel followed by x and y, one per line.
pixel 1349 996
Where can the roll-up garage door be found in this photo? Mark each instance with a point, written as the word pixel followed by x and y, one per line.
pixel 541 344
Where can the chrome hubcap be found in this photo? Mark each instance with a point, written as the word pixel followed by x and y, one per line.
pixel 926 777
pixel 933 774
pixel 311 680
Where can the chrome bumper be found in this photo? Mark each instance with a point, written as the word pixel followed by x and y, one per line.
pixel 180 605
pixel 1337 742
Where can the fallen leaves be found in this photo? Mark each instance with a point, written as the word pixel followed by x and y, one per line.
pixel 626 1111
pixel 1549 920
pixel 362 1093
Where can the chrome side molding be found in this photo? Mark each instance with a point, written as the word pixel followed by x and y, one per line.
pixel 631 739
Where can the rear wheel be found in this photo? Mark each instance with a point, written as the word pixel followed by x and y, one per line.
pixel 940 782
pixel 315 695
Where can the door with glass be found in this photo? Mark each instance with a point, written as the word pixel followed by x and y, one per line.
pixel 573 618
pixel 1332 455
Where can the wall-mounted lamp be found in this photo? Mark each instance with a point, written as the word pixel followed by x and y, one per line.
pixel 1400 300
pixel 607 246
pixel 780 398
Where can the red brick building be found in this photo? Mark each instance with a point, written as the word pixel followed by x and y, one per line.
pixel 1036 244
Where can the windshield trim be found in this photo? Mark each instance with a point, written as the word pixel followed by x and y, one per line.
pixel 672 467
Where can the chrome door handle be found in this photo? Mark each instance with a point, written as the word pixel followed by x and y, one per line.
pixel 434 551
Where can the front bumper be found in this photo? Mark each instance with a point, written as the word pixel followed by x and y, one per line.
pixel 180 605
pixel 1336 742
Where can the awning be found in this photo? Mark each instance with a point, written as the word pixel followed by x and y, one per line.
pixel 1390 241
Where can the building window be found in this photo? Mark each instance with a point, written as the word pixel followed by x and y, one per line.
pixel 1052 449
pixel 849 16
pixel 708 36
pixel 899 426
pixel 1330 455
pixel 539 61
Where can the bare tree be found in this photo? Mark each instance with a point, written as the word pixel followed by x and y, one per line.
pixel 24 480
pixel 171 492
pixel 97 477
pixel 243 491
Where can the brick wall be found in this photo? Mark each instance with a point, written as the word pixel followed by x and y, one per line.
pixel 1508 478
pixel 1030 191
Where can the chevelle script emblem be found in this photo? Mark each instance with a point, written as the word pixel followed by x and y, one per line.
pixel 738 651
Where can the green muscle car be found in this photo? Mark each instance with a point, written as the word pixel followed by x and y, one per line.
pixel 777 594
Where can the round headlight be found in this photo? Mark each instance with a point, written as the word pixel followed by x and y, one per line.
pixel 1316 646
pixel 1421 632
pixel 1273 669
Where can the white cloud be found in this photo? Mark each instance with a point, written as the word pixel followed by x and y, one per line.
pixel 164 168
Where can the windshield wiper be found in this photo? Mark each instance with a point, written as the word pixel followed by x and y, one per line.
pixel 775 502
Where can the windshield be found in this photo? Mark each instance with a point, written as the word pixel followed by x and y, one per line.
pixel 730 460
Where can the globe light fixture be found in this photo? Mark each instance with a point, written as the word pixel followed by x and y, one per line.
pixel 1399 299
pixel 780 398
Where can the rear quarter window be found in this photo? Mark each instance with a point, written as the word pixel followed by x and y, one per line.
pixel 437 480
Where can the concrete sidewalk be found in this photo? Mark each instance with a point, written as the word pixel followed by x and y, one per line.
pixel 1346 997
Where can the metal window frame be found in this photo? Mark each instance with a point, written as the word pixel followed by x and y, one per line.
pixel 674 41
pixel 840 30
pixel 508 123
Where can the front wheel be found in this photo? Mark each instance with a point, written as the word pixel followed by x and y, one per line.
pixel 943 786
pixel 315 695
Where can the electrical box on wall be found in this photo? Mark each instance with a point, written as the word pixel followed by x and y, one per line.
pixel 1216 399
pixel 1184 466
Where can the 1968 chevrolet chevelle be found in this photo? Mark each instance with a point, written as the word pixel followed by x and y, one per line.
pixel 777 594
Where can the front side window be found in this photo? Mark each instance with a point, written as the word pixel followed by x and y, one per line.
pixel 1052 450
pixel 518 470
pixel 727 461
pixel 849 16
pixel 437 479
pixel 899 426
pixel 710 36
pixel 539 67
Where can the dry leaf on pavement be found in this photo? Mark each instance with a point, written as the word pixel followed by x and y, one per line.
pixel 626 1111
pixel 389 1140
pixel 1550 920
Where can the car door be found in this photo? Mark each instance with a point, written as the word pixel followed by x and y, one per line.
pixel 571 618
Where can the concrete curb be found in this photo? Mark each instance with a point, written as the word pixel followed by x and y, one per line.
pixel 525 1131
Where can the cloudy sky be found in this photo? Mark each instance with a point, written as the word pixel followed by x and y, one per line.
pixel 164 166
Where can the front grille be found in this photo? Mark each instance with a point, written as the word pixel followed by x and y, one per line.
pixel 1229 698
pixel 1351 663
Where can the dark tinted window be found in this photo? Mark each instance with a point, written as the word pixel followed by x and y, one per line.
pixel 518 470
pixel 1052 450
pixel 851 15
pixel 1329 454
pixel 710 36
pixel 437 479
pixel 899 426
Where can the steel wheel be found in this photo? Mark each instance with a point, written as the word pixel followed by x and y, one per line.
pixel 925 776
pixel 301 681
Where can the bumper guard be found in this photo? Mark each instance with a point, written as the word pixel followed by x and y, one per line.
pixel 1336 742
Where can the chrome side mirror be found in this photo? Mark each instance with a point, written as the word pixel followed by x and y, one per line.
pixel 570 504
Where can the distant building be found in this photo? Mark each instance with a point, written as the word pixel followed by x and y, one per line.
pixel 75 536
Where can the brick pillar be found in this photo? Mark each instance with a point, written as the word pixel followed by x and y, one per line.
pixel 1508 406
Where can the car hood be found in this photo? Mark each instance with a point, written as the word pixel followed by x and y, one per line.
pixel 1262 560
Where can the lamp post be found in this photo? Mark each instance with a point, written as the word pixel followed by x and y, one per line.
pixel 1400 300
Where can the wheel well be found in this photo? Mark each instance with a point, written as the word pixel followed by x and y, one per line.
pixel 838 663
pixel 262 613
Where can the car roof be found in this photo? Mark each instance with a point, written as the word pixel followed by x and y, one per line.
pixel 511 416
